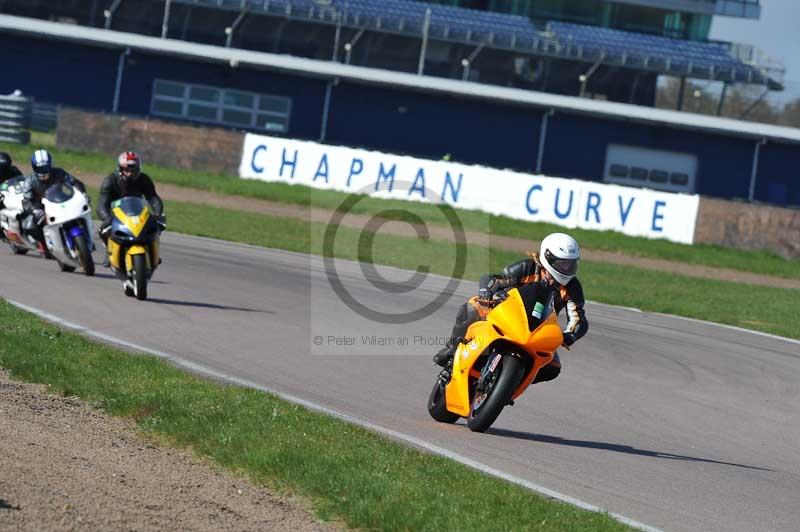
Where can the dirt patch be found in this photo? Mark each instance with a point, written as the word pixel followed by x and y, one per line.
pixel 285 210
pixel 67 466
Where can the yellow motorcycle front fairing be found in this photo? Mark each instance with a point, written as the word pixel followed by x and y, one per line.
pixel 134 222
pixel 114 250
pixel 507 322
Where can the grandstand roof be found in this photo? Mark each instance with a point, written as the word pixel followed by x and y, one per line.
pixel 331 70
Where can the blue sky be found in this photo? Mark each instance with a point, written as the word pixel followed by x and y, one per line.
pixel 777 33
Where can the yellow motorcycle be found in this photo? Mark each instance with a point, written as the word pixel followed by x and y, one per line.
pixel 499 358
pixel 133 244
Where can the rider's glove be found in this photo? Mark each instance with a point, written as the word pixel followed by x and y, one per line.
pixel 39 216
pixel 569 338
pixel 485 294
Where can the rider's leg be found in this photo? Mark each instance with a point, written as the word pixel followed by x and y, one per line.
pixel 550 371
pixel 103 232
pixel 467 315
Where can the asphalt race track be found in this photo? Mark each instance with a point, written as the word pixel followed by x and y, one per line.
pixel 677 424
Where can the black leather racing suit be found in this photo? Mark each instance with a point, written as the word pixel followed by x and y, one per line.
pixel 114 188
pixel 517 274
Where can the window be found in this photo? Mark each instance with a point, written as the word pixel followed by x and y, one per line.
pixel 639 166
pixel 217 105
pixel 639 174
pixel 659 176
pixel 618 170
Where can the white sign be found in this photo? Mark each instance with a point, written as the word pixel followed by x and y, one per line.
pixel 535 198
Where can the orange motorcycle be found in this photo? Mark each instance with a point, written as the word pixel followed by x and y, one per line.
pixel 499 358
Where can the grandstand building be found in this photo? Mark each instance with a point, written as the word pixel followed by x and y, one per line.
pixel 608 49
pixel 400 76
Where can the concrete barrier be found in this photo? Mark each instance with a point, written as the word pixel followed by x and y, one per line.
pixel 748 226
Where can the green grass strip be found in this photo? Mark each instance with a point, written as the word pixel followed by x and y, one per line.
pixel 764 262
pixel 763 309
pixel 348 472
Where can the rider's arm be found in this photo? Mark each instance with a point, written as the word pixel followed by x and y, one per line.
pixel 104 200
pixel 150 194
pixel 577 325
pixel 30 199
pixel 516 274
pixel 77 182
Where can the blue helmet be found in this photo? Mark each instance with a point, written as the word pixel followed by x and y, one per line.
pixel 42 163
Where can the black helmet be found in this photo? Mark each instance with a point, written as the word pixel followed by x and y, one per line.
pixel 5 163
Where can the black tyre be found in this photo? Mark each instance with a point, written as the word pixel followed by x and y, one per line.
pixel 65 267
pixel 436 404
pixel 140 277
pixel 488 403
pixel 84 255
pixel 18 251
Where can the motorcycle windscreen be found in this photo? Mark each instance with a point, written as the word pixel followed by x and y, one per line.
pixel 538 301
pixel 15 184
pixel 131 205
pixel 59 193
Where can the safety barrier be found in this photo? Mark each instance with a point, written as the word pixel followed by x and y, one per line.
pixel 15 113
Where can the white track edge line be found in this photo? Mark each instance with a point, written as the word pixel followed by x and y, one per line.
pixel 204 370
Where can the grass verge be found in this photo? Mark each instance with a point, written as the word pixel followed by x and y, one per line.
pixel 763 262
pixel 350 473
pixel 736 304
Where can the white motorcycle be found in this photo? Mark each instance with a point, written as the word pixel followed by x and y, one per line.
pixel 68 230
pixel 11 217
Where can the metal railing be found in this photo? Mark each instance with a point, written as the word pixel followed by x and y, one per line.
pixel 15 114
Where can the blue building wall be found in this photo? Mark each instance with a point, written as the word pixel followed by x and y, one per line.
pixel 431 126
pixel 403 121
pixel 779 174
pixel 60 72
pixel 307 94
pixel 576 147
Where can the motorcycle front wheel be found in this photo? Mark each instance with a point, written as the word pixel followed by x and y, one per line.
pixel 496 394
pixel 140 277
pixel 84 255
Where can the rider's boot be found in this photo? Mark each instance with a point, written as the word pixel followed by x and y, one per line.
pixel 444 357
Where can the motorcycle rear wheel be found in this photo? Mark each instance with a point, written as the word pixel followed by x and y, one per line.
pixel 436 404
pixel 498 396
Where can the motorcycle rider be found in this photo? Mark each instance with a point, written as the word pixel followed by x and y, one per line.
pixel 35 185
pixel 7 171
pixel 127 180
pixel 555 265
pixel 7 168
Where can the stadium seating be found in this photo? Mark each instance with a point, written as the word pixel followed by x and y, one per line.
pixel 515 32
pixel 673 55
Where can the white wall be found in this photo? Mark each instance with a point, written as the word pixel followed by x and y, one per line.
pixel 567 202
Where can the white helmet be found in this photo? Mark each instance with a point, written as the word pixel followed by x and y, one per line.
pixel 559 255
